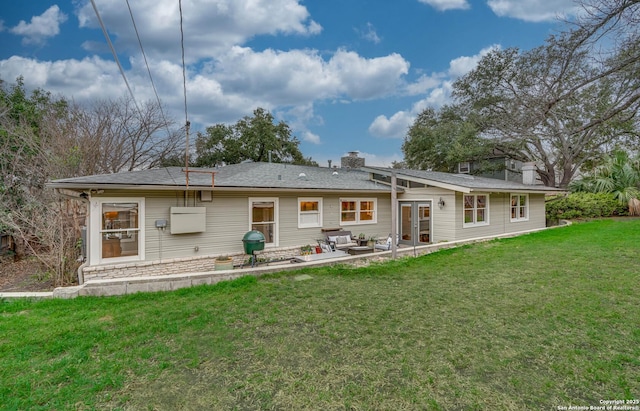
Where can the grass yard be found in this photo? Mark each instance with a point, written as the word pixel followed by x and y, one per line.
pixel 542 321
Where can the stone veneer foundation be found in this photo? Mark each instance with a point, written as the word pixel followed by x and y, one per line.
pixel 180 265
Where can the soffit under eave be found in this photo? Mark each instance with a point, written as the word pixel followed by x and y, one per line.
pixel 438 184
pixel 432 183
pixel 517 191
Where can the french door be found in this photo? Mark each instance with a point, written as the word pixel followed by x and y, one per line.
pixel 415 222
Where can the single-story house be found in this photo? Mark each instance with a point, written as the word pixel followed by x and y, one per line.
pixel 171 220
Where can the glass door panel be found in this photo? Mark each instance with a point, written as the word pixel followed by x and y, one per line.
pixel 424 223
pixel 406 223
pixel 415 222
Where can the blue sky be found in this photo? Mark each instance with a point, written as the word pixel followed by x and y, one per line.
pixel 346 75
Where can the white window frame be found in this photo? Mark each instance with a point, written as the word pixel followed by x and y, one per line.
pixel 464 167
pixel 358 211
pixel 518 207
pixel 302 214
pixel 95 249
pixel 276 216
pixel 475 223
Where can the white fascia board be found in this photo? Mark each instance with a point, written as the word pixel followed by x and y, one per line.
pixel 81 187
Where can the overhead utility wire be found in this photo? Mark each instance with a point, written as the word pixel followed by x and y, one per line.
pixel 115 55
pixel 184 75
pixel 155 91
pixel 184 88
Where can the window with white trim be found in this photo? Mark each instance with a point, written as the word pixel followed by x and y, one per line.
pixel 358 211
pixel 309 212
pixel 117 229
pixel 519 207
pixel 264 218
pixel 476 209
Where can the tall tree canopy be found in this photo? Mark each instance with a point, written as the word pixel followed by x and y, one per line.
pixel 255 138
pixel 439 140
pixel 43 137
pixel 563 104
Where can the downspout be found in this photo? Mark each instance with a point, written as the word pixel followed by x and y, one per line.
pixel 87 248
pixel 394 215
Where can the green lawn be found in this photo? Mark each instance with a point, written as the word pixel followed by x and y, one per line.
pixel 541 321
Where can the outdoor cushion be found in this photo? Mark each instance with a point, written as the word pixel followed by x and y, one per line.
pixel 344 239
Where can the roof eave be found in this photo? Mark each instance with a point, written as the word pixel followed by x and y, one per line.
pixel 104 186
pixel 84 187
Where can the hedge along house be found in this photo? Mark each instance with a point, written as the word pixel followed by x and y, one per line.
pixel 163 221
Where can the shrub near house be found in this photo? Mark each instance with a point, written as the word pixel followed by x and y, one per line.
pixel 584 205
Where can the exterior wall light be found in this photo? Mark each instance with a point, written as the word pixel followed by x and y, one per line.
pixel 441 203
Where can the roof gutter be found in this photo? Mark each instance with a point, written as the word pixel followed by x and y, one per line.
pixel 83 188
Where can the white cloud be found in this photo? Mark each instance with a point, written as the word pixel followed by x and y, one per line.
pixel 81 80
pixel 362 78
pixel 370 34
pixel 425 83
pixel 394 127
pixel 209 26
pixel 300 76
pixel 376 160
pixel 310 137
pixel 41 27
pixel 397 125
pixel 437 86
pixel 462 65
pixel 229 88
pixel 533 11
pixel 443 5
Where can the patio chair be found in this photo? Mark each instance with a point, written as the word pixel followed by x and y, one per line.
pixel 386 245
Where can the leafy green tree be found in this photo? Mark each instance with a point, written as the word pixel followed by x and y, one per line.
pixel 566 103
pixel 255 138
pixel 619 176
pixel 439 140
pixel 539 104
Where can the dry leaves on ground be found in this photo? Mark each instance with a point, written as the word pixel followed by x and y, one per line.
pixel 23 275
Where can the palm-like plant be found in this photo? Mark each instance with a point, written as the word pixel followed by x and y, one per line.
pixel 618 175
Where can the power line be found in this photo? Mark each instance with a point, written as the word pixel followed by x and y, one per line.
pixel 155 91
pixel 184 75
pixel 115 55
pixel 184 88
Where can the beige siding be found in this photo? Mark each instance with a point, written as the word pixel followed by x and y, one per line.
pixel 447 223
pixel 500 217
pixel 442 220
pixel 227 220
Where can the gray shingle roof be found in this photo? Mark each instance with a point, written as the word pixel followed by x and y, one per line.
pixel 249 175
pixel 286 176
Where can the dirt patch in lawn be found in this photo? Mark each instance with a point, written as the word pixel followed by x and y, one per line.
pixel 24 275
